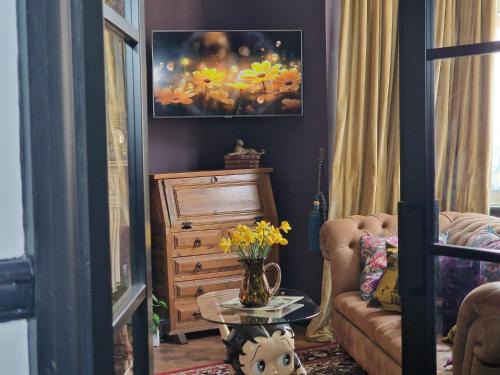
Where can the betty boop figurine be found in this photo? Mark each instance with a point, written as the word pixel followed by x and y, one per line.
pixel 258 350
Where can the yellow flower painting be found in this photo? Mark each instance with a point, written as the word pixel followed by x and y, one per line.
pixel 227 73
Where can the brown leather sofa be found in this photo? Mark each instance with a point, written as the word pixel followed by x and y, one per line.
pixel 373 336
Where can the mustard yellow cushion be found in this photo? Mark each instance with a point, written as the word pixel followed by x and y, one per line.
pixel 386 295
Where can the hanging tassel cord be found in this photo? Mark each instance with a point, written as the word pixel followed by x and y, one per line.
pixel 319 195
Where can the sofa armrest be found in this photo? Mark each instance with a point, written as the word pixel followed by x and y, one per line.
pixel 478 329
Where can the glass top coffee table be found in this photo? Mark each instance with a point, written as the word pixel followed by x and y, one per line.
pixel 259 342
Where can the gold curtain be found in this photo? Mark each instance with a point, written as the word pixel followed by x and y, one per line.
pixel 365 171
pixel 463 95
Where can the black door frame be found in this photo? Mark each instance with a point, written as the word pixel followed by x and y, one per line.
pixel 418 212
pixel 63 122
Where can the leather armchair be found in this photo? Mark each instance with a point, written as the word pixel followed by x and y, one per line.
pixel 476 348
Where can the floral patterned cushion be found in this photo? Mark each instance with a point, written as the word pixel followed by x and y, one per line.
pixel 373 262
pixel 386 296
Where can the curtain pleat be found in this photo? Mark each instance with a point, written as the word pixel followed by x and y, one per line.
pixel 365 171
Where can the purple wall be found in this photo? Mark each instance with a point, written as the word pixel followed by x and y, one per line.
pixel 291 142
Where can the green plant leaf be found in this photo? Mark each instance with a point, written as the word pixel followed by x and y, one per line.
pixel 163 304
pixel 156 320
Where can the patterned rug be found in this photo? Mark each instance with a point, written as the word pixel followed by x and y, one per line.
pixel 324 360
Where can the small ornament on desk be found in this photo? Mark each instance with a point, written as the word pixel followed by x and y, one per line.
pixel 242 157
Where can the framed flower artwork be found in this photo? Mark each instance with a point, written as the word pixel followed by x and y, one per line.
pixel 227 73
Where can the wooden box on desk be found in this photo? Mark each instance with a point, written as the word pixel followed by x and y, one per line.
pixel 190 212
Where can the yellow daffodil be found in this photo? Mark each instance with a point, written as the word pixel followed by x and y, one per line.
pixel 168 96
pixel 287 80
pixel 276 235
pixel 225 245
pixel 283 242
pixel 262 225
pixel 236 238
pixel 285 226
pixel 250 237
pixel 242 229
pixel 260 72
pixel 208 78
pixel 255 243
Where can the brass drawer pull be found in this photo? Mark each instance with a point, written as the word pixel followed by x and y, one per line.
pixel 197 314
pixel 200 291
pixel 198 267
pixel 214 179
pixel 197 242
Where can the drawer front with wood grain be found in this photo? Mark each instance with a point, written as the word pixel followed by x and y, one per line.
pixel 205 263
pixel 188 313
pixel 196 242
pixel 190 290
pixel 218 199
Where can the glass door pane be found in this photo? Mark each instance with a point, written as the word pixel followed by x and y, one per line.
pixel 459 22
pixel 466 309
pixel 117 5
pixel 467 132
pixel 123 353
pixel 467 124
pixel 118 173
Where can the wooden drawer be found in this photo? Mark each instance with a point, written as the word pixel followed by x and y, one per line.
pixel 205 263
pixel 190 290
pixel 196 242
pixel 188 313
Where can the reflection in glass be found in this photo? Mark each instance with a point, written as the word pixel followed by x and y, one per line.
pixel 123 353
pixel 466 116
pixel 467 314
pixel 117 137
pixel 117 5
pixel 495 160
pixel 459 22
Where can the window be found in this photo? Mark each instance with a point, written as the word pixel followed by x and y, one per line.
pixel 126 180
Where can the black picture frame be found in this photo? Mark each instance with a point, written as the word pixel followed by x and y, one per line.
pixel 171 48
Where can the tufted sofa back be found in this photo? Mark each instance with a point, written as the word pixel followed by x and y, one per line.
pixel 341 239
pixel 461 226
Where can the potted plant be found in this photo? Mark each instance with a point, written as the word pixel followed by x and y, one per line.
pixel 158 304
pixel 253 247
